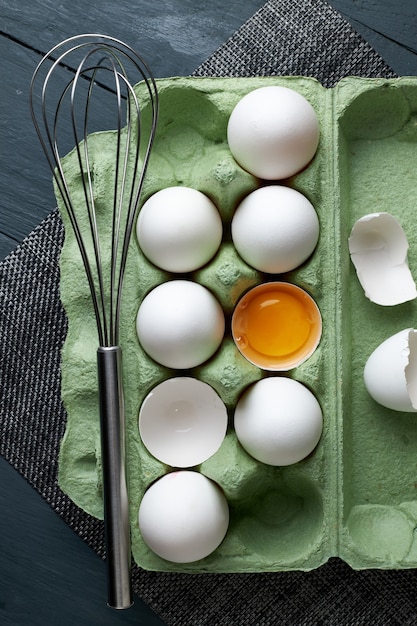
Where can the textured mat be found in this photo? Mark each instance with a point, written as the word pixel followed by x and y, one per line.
pixel 285 37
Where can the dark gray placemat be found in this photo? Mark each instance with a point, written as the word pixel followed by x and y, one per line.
pixel 284 37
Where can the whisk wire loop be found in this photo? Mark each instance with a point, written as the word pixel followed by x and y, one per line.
pixel 107 317
pixel 110 328
pixel 129 167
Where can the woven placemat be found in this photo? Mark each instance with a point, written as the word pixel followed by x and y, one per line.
pixel 285 37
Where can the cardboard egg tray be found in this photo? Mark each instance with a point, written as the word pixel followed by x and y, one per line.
pixel 355 496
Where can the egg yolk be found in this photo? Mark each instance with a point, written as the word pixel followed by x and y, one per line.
pixel 276 326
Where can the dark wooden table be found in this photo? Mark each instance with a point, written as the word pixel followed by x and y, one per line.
pixel 48 575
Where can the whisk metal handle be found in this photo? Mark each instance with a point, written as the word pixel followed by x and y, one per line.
pixel 116 508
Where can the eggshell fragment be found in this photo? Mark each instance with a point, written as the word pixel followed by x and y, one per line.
pixel 378 249
pixel 390 372
pixel 182 421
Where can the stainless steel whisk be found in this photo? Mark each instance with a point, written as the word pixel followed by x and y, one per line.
pixel 56 111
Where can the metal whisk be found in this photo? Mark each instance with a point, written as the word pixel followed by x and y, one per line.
pixel 90 64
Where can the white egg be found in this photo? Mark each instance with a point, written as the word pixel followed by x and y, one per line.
pixel 180 324
pixel 273 132
pixel 390 372
pixel 278 421
pixel 179 229
pixel 275 229
pixel 183 517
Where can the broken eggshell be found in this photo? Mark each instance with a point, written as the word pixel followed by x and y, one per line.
pixel 390 372
pixel 378 249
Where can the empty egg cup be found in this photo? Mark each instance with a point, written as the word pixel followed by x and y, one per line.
pixel 276 326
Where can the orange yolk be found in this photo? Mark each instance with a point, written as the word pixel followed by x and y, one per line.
pixel 276 326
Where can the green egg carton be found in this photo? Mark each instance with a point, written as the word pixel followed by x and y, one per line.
pixel 355 496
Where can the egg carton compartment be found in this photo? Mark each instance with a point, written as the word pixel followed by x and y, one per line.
pixel 376 135
pixel 355 495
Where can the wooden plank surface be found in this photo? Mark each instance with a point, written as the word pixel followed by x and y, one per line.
pixel 390 26
pixel 47 574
